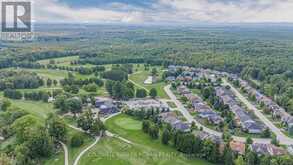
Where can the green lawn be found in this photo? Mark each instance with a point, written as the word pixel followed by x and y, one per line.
pixel 62 61
pixel 73 152
pixel 145 151
pixel 171 104
pixel 141 75
pixel 65 61
pixel 36 108
pixel 101 91
pixel 41 110
pixel 47 73
pixel 55 159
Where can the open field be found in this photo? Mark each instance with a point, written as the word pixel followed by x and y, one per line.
pixel 46 73
pixel 64 61
pixel 144 151
pixel 141 75
pixel 38 109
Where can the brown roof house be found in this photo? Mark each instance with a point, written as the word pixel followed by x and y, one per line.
pixel 237 147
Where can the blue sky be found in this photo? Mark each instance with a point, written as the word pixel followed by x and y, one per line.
pixel 163 11
pixel 101 3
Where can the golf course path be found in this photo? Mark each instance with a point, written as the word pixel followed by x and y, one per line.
pixel 85 150
pixel 118 137
pixel 65 153
pixel 136 84
pixel 110 134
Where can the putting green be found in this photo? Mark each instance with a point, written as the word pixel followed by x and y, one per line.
pixel 128 123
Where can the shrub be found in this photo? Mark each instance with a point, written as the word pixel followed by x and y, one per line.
pixel 76 140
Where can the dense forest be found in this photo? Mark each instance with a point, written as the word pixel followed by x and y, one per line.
pixel 262 54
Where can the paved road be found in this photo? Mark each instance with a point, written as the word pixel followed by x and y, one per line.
pixel 185 112
pixel 283 139
pixel 65 153
pixel 85 150
pixel 190 119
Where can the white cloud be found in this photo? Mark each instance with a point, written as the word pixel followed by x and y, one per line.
pixel 241 11
pixel 189 11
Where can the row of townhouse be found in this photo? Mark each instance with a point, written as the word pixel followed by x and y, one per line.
pixel 267 149
pixel 147 104
pixel 172 119
pixel 242 117
pixel 200 106
pixel 190 73
pixel 277 111
pixel 240 147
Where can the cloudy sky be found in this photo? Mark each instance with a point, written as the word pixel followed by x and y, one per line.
pixel 163 11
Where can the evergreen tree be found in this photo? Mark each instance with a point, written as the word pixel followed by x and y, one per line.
pixel 141 93
pixel 166 136
pixel 228 156
pixel 145 126
pixel 153 93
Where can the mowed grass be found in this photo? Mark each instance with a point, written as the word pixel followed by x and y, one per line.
pixel 74 151
pixel 48 73
pixel 128 123
pixel 41 111
pixel 63 61
pixel 171 104
pixel 144 151
pixel 36 108
pixel 141 75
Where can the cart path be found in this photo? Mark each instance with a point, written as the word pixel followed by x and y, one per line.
pixel 85 150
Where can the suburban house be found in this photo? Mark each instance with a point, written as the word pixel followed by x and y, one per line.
pixel 105 106
pixel 241 116
pixel 215 139
pixel 147 104
pixel 200 106
pixel 171 118
pixel 237 147
pixel 170 78
pixel 267 149
pixel 274 108
pixel 182 89
pixel 172 68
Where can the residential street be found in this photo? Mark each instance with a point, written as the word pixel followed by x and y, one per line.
pixel 190 118
pixel 283 139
